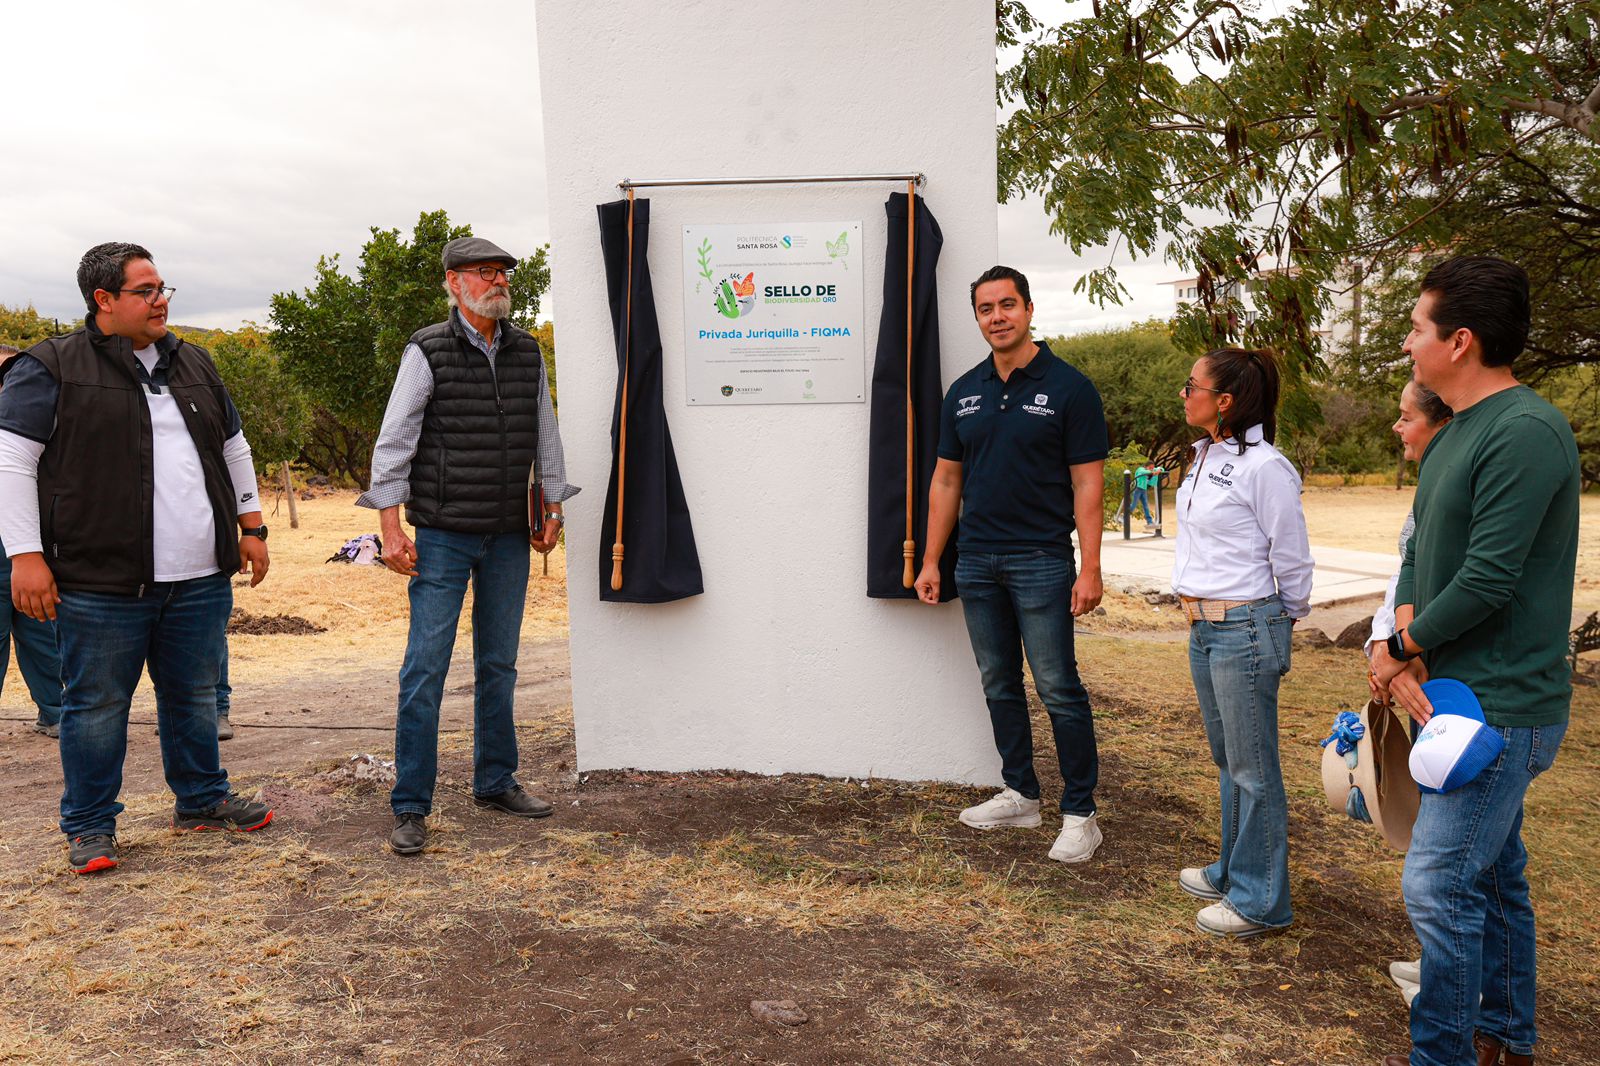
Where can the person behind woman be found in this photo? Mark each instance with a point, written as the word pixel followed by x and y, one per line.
pixel 1422 416
pixel 1243 572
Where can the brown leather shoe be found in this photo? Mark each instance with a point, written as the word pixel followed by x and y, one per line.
pixel 1397 1060
pixel 516 802
pixel 1493 1053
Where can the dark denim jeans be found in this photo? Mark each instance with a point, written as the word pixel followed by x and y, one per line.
pixel 37 657
pixel 1017 602
pixel 497 566
pixel 1236 665
pixel 176 630
pixel 224 690
pixel 1467 895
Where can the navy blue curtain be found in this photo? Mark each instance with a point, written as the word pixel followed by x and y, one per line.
pixel 660 562
pixel 886 459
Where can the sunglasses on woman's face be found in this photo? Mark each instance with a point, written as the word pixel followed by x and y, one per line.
pixel 1190 388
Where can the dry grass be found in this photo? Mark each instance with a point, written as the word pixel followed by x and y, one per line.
pixel 285 947
pixel 312 944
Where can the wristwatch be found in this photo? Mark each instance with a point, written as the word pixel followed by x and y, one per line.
pixel 1397 646
pixel 256 531
pixel 554 516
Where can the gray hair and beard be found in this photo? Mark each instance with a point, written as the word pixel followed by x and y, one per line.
pixel 496 303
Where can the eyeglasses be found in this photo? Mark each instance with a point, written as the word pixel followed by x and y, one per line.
pixel 150 296
pixel 487 273
pixel 1190 388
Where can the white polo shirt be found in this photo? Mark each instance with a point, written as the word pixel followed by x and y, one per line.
pixel 1241 530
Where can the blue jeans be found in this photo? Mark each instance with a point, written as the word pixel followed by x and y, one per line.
pixel 37 657
pixel 1467 896
pixel 497 566
pixel 224 690
pixel 176 630
pixel 1236 665
pixel 1017 602
pixel 1140 499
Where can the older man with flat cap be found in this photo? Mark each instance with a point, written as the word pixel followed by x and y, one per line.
pixel 469 429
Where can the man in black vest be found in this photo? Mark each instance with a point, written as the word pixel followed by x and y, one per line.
pixel 127 501
pixel 469 427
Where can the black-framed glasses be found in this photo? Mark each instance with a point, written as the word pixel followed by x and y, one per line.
pixel 486 272
pixel 1190 388
pixel 150 296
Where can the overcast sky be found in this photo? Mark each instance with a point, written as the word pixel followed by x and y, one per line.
pixel 240 142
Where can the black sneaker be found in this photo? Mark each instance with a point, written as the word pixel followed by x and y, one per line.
pixel 92 853
pixel 51 731
pixel 234 814
pixel 516 802
pixel 224 728
pixel 410 834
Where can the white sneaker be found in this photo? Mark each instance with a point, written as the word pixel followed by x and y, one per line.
pixel 1406 972
pixel 1080 835
pixel 1409 993
pixel 1008 809
pixel 1192 879
pixel 1219 919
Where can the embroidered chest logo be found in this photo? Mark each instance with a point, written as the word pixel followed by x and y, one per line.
pixel 967 405
pixel 1227 468
pixel 1037 407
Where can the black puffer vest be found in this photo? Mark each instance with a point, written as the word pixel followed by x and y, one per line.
pixel 480 431
pixel 97 474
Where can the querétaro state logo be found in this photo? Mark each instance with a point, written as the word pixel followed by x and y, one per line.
pixel 736 296
pixel 727 390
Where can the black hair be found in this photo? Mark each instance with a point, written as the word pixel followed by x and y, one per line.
pixel 1435 410
pixel 1251 376
pixel 1002 273
pixel 104 266
pixel 1486 295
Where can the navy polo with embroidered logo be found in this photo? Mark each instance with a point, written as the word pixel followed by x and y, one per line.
pixel 1015 441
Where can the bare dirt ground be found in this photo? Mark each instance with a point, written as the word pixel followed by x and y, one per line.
pixel 638 924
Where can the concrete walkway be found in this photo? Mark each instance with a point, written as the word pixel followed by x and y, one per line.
pixel 1145 562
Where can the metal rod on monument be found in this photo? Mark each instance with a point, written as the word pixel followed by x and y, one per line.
pixel 801 179
pixel 909 548
pixel 622 431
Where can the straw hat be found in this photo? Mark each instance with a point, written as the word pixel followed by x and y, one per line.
pixel 1384 778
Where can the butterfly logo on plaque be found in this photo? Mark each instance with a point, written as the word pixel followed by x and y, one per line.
pixel 840 249
pixel 736 296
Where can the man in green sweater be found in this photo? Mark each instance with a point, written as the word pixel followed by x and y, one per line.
pixel 1484 597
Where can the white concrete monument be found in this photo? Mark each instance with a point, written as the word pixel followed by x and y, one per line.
pixel 783 664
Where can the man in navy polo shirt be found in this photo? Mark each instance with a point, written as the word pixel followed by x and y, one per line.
pixel 1022 449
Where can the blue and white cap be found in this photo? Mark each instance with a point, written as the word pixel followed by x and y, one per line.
pixel 1457 743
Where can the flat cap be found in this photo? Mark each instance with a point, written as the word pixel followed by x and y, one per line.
pixel 463 250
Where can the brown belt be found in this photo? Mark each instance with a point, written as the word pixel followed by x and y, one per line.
pixel 1195 609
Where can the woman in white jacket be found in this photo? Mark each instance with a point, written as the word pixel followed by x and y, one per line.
pixel 1242 568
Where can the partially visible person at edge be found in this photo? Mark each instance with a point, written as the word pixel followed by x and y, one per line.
pixel 1242 570
pixel 37 658
pixel 1022 449
pixel 469 417
pixel 1422 416
pixel 1485 598
pixel 127 502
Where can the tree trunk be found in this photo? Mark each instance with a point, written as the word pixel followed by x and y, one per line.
pixel 288 490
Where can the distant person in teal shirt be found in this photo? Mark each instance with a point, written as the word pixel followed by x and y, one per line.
pixel 1144 479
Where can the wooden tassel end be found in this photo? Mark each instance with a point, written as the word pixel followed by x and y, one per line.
pixel 908 579
pixel 616 567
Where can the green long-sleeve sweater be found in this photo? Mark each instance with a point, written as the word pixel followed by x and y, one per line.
pixel 1491 566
